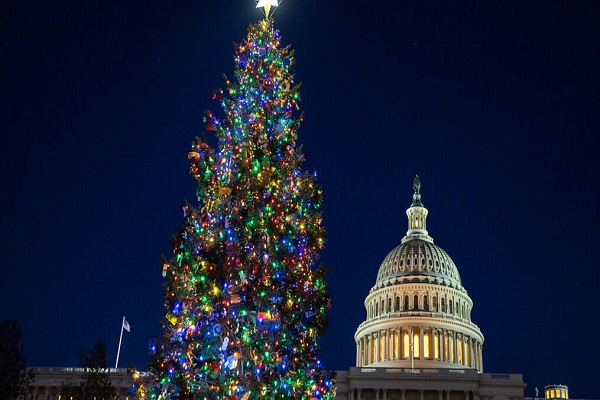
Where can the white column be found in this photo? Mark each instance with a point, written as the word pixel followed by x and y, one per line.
pixel 442 345
pixel 455 341
pixel 376 337
pixel 383 342
pixel 361 356
pixel 401 343
pixel 422 343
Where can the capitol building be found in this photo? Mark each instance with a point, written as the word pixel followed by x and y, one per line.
pixel 418 341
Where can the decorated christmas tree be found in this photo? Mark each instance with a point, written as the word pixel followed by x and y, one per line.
pixel 245 301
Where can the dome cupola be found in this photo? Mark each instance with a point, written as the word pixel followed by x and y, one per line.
pixel 418 313
pixel 417 216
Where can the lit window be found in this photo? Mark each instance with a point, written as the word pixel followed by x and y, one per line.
pixel 416 345
pixel 426 346
pixel 406 344
pixel 436 345
pixel 446 348
pixel 373 351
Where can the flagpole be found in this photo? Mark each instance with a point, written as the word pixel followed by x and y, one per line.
pixel 412 350
pixel 120 339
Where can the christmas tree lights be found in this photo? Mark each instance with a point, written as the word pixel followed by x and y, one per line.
pixel 245 303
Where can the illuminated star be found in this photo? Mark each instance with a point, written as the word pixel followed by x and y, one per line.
pixel 267 5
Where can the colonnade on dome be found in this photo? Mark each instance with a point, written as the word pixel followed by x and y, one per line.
pixel 415 344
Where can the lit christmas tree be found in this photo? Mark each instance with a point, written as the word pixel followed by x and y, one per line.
pixel 246 304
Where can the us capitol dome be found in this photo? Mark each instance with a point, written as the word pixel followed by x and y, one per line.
pixel 418 312
pixel 418 341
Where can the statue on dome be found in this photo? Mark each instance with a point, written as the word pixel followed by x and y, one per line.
pixel 417 184
pixel 417 195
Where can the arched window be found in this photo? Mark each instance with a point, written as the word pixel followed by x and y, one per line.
pixel 434 303
pixel 450 307
pixel 406 302
pixel 425 303
pixel 397 305
pixel 443 304
pixel 389 309
pixel 416 302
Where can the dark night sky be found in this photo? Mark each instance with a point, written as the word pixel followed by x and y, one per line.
pixel 495 104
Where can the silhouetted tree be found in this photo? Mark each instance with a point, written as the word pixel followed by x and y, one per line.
pixel 96 383
pixel 14 378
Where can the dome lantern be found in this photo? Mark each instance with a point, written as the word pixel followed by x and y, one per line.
pixel 417 216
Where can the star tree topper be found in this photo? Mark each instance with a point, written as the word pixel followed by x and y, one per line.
pixel 267 5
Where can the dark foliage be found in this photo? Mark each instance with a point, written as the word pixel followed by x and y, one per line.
pixel 96 383
pixel 14 379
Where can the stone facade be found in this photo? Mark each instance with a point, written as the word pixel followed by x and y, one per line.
pixel 48 381
pixel 426 384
